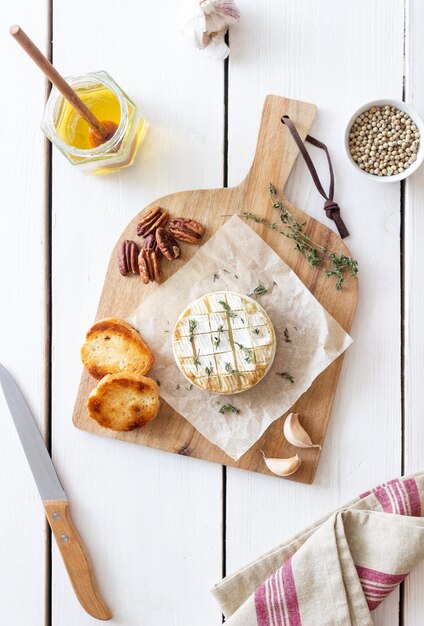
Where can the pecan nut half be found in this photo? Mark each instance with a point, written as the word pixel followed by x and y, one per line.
pixel 127 257
pixel 187 230
pixel 167 244
pixel 149 266
pixel 151 243
pixel 150 220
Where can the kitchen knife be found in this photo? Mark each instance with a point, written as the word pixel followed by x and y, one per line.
pixel 55 502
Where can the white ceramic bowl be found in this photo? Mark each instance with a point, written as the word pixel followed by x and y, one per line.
pixel 415 118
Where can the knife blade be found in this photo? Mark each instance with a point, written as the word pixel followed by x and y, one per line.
pixel 55 502
pixel 39 460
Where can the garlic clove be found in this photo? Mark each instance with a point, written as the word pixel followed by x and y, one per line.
pixel 296 434
pixel 283 467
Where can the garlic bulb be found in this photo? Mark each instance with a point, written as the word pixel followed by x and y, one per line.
pixel 283 467
pixel 296 434
pixel 205 23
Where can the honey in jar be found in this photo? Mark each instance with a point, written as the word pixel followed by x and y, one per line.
pixel 72 135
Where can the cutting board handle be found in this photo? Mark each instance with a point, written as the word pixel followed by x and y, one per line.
pixel 276 151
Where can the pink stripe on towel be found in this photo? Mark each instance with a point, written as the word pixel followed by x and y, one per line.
pixel 277 604
pixel 398 496
pixel 290 594
pixel 261 605
pixel 394 485
pixel 375 576
pixel 382 495
pixel 377 585
pixel 277 601
pixel 410 485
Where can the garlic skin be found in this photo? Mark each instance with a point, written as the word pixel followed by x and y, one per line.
pixel 283 467
pixel 296 434
pixel 205 24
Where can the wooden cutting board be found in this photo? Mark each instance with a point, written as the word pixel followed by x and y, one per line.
pixel 275 155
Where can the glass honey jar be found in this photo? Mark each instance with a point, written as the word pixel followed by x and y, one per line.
pixel 70 133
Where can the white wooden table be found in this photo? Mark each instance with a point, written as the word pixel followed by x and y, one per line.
pixel 162 529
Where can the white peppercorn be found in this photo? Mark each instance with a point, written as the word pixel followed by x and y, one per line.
pixel 384 141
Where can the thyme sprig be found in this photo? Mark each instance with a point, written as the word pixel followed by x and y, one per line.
pixel 332 263
pixel 229 408
pixel 217 340
pixel 209 370
pixel 227 309
pixel 229 368
pixel 248 356
pixel 192 324
pixel 229 312
pixel 260 290
pixel 196 359
pixel 286 375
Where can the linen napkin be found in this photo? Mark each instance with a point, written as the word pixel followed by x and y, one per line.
pixel 338 570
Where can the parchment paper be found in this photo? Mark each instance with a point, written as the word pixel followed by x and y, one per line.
pixel 236 258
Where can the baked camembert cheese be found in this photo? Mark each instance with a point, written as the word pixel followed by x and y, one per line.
pixel 224 342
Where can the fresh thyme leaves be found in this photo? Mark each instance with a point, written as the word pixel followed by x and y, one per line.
pixel 331 263
pixel 248 355
pixel 227 308
pixel 341 262
pixel 209 370
pixel 286 375
pixel 189 387
pixel 191 326
pixel 158 382
pixel 229 368
pixel 287 336
pixel 256 331
pixel 178 386
pixel 196 360
pixel 254 217
pixel 228 408
pixel 259 290
pixel 217 340
pixel 215 277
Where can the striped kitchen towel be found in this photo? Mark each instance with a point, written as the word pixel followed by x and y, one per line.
pixel 337 571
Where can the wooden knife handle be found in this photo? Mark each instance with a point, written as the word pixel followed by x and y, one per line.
pixel 76 559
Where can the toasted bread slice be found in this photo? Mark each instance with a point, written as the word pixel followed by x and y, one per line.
pixel 113 346
pixel 124 401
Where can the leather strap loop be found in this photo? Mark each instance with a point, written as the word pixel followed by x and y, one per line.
pixel 332 209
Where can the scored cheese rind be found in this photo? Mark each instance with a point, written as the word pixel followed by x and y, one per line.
pixel 224 342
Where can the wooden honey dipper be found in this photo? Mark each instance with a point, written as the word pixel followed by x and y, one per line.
pixel 99 132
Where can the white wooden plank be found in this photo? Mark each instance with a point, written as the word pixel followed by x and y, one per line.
pixel 22 313
pixel 337 55
pixel 414 302
pixel 151 521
